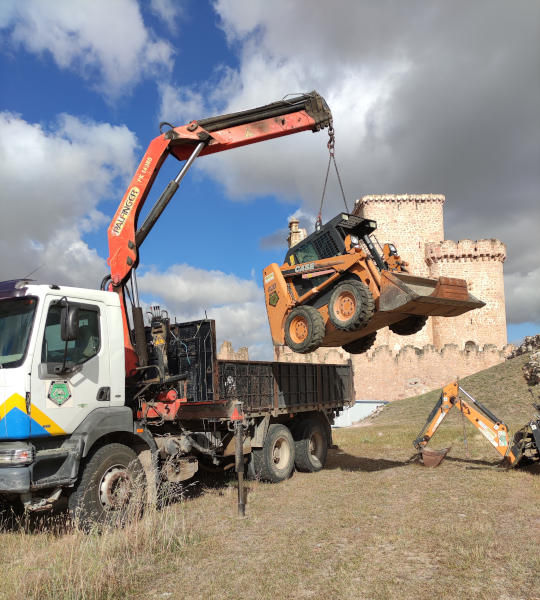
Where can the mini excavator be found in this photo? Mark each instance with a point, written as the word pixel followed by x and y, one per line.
pixel 337 288
pixel 522 449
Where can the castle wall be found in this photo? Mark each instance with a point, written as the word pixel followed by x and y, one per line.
pixel 385 376
pixel 480 263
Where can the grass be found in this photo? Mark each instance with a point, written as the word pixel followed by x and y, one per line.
pixel 372 525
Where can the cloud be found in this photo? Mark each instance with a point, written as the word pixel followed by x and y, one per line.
pixel 236 304
pixel 521 306
pixel 104 42
pixel 427 98
pixel 53 179
pixel 169 11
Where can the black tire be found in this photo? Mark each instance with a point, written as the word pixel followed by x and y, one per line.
pixel 111 488
pixel 311 446
pixel 351 305
pixel 274 462
pixel 412 324
pixel 360 345
pixel 304 329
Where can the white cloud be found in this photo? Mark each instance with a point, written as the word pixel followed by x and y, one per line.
pixel 53 179
pixel 521 291
pixel 105 42
pixel 169 11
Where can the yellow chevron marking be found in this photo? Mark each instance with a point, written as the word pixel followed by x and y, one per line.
pixel 17 401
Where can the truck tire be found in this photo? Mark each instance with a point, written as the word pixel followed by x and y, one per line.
pixel 274 462
pixel 412 324
pixel 111 488
pixel 351 305
pixel 304 329
pixel 311 447
pixel 361 345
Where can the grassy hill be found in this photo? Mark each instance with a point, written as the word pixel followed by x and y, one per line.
pixel 372 525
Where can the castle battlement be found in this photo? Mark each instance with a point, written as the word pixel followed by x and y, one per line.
pixel 465 251
pixel 398 198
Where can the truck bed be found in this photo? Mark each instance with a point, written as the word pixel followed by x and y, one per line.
pixel 277 388
pixel 213 386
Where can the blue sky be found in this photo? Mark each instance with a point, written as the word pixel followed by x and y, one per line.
pixel 435 98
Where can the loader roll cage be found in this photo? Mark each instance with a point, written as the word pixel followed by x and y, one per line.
pixel 329 240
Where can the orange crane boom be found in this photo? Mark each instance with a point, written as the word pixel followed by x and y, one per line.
pixel 197 138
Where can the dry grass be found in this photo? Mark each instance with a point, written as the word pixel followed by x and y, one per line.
pixel 371 525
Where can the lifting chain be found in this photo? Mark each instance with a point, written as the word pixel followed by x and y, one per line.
pixel 331 158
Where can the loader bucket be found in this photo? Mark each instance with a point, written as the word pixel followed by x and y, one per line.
pixel 411 295
pixel 433 458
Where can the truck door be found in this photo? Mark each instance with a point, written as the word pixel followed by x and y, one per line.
pixel 62 399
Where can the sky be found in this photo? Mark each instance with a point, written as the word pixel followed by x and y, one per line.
pixel 428 96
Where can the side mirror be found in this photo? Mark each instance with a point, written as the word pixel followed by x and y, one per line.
pixel 69 323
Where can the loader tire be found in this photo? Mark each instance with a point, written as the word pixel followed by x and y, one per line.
pixel 274 462
pixel 409 326
pixel 304 329
pixel 351 305
pixel 311 446
pixel 111 489
pixel 361 345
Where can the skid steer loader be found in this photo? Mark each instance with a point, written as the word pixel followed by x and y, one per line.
pixel 336 288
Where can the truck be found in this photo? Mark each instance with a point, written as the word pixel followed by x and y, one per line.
pixel 96 403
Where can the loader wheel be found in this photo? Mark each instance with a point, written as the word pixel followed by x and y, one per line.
pixel 304 329
pixel 351 305
pixel 274 462
pixel 361 345
pixel 111 490
pixel 311 447
pixel 412 324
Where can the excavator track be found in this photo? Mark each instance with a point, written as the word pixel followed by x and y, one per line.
pixel 525 445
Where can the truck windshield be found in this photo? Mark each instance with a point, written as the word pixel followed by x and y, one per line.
pixel 16 317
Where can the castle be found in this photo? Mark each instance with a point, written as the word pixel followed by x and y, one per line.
pixel 446 348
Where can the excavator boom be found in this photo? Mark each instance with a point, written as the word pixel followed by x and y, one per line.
pixel 524 445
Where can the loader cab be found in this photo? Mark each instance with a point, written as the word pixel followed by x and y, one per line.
pixel 326 242
pixel 329 240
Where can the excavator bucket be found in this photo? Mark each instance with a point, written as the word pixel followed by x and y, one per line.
pixel 433 458
pixel 408 294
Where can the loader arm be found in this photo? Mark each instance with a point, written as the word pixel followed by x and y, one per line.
pixel 207 136
pixel 492 428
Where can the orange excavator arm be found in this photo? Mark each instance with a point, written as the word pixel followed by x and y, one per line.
pixel 207 136
pixel 492 428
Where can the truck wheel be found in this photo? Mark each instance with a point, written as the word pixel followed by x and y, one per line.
pixel 351 305
pixel 311 447
pixel 304 329
pixel 361 345
pixel 412 324
pixel 111 489
pixel 274 462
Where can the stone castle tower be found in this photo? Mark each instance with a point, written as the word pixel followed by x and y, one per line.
pixel 414 223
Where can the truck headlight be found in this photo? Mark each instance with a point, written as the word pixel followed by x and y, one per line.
pixel 354 240
pixel 22 455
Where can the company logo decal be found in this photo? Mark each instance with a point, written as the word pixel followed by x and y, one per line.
pixel 306 267
pixel 124 212
pixel 59 392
